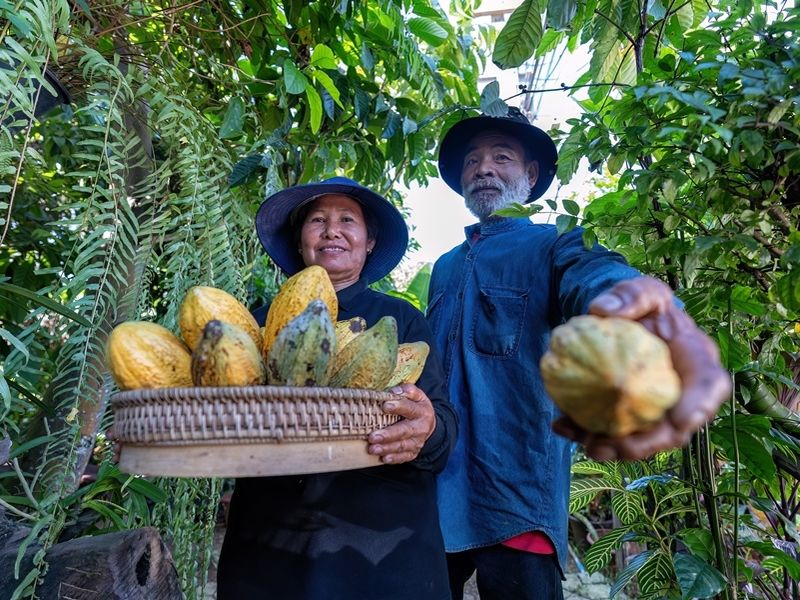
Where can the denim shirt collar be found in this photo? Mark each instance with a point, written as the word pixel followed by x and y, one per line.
pixel 501 225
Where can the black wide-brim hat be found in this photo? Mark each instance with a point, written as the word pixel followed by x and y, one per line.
pixel 277 233
pixel 537 144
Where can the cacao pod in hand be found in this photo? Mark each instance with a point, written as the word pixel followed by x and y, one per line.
pixel 297 292
pixel 203 304
pixel 146 355
pixel 610 375
pixel 411 358
pixel 226 355
pixel 368 360
pixel 302 354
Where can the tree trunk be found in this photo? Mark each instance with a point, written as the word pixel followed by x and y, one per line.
pixel 129 565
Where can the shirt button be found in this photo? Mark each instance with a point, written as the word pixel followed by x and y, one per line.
pixel 452 337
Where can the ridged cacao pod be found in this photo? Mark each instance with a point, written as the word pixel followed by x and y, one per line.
pixel 226 355
pixel 411 358
pixel 297 292
pixel 610 375
pixel 146 355
pixel 368 360
pixel 302 354
pixel 348 329
pixel 203 304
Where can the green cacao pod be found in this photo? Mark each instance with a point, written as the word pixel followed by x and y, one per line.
pixel 411 358
pixel 369 359
pixel 226 355
pixel 302 354
pixel 610 375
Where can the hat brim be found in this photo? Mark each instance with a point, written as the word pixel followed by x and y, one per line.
pixel 278 237
pixel 537 143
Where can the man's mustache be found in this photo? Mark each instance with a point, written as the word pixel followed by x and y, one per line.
pixel 485 184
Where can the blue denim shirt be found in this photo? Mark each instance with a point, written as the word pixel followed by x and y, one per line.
pixel 492 306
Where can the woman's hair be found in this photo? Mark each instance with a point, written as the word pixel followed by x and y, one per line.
pixel 298 217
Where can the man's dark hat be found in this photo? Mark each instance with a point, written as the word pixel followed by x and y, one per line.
pixel 538 146
pixel 277 231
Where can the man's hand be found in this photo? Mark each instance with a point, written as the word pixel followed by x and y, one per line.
pixel 402 441
pixel 705 384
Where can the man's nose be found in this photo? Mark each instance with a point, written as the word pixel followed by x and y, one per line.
pixel 485 167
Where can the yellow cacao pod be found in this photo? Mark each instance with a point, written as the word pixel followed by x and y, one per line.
pixel 203 304
pixel 610 375
pixel 146 355
pixel 226 355
pixel 348 329
pixel 368 360
pixel 297 292
pixel 411 358
pixel 302 354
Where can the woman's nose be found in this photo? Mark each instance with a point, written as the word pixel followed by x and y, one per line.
pixel 331 231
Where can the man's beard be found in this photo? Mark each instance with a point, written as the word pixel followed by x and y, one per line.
pixel 482 205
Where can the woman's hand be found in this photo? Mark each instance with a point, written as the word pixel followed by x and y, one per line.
pixel 705 384
pixel 402 441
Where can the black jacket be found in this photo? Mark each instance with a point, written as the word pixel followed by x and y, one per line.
pixel 369 534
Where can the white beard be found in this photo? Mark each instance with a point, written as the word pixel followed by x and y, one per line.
pixel 483 205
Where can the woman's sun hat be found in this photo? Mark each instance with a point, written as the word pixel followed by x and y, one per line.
pixel 277 233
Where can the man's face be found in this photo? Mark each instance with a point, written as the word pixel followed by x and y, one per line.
pixel 495 174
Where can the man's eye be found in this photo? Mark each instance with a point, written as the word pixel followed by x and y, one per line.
pixel 470 161
pixel 502 157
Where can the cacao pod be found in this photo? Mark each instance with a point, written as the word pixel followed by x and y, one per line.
pixel 297 292
pixel 348 329
pixel 203 304
pixel 411 358
pixel 302 354
pixel 610 375
pixel 226 355
pixel 146 355
pixel 368 360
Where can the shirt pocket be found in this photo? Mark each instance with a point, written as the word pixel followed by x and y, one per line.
pixel 498 320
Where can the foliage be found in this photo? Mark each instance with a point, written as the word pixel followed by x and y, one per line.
pixel 183 116
pixel 701 130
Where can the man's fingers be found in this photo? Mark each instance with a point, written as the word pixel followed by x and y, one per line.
pixel 633 299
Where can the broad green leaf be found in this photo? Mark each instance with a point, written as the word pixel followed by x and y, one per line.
pixel 325 80
pixel 323 57
pixel 571 207
pixel 743 299
pixel 777 112
pixel 315 106
pixel 753 141
pixel 294 80
pixel 245 170
pixel 697 578
pixel 700 542
pixel 234 119
pixel 565 223
pixel 656 575
pixel 777 558
pixel 599 554
pixel 427 30
pixel 629 572
pixel 517 210
pixel 733 352
pixel 392 124
pixel 491 103
pixel 409 126
pixel 754 455
pixel 520 36
pixel 628 506
pixel 560 14
pixel 367 59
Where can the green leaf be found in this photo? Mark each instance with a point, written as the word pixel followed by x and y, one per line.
pixel 325 80
pixel 294 80
pixel 520 36
pixel 571 207
pixel 391 125
pixel 699 541
pixel 627 506
pixel 753 141
pixel 491 103
pixel 754 454
pixel 599 554
pixel 733 352
pixel 560 14
pixel 315 106
pixel 245 170
pixel 697 578
pixel 44 301
pixel 427 30
pixel 777 558
pixel 367 59
pixel 234 119
pixel 409 126
pixel 565 223
pixel 628 573
pixel 323 57
pixel 517 210
pixel 656 575
pixel 743 300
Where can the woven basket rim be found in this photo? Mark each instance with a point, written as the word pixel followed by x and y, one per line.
pixel 256 392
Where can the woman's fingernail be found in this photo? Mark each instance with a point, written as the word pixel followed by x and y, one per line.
pixel 390 405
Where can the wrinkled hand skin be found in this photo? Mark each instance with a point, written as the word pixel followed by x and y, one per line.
pixel 402 441
pixel 705 383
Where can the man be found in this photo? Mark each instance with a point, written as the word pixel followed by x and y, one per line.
pixel 493 303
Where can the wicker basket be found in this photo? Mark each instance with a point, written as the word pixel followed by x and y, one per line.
pixel 246 431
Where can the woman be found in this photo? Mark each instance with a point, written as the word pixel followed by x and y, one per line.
pixel 373 533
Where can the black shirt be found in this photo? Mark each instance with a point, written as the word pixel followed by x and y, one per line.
pixel 369 534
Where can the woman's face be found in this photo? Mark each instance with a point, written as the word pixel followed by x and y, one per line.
pixel 334 236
